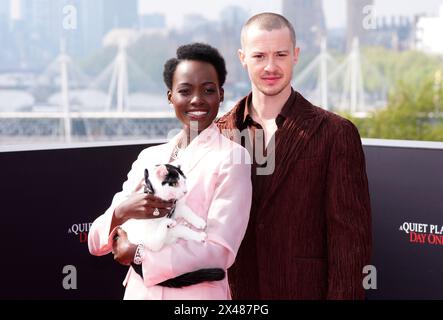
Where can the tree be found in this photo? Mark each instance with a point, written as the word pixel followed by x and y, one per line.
pixel 415 104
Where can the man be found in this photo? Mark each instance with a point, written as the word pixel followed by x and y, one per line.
pixel 309 234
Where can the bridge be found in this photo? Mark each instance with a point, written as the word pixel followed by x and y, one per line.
pixel 80 112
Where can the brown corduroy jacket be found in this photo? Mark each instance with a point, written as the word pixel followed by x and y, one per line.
pixel 309 234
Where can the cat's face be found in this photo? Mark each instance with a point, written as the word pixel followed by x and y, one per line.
pixel 169 182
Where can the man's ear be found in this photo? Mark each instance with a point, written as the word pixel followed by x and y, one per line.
pixel 296 54
pixel 242 56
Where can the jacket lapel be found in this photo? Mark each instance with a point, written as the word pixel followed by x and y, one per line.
pixel 293 136
pixel 291 139
pixel 164 155
pixel 198 148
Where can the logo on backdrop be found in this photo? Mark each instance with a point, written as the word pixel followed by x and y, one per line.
pixel 423 233
pixel 80 230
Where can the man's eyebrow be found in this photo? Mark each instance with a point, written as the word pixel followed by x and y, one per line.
pixel 278 51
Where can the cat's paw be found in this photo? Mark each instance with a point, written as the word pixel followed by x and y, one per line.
pixel 172 224
pixel 199 224
pixel 202 236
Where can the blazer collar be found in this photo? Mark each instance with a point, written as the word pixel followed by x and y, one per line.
pixel 299 128
pixel 296 108
pixel 195 151
pixel 301 123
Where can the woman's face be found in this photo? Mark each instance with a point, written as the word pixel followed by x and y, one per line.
pixel 195 94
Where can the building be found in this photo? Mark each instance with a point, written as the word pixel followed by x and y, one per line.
pixel 395 32
pixel 308 19
pixel 358 12
pixel 155 21
pixel 231 22
pixel 120 14
pixel 4 12
pixel 44 22
pixel 429 34
pixel 88 33
pixel 4 25
pixel 35 34
pixel 94 20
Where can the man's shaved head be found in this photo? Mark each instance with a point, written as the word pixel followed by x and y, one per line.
pixel 268 21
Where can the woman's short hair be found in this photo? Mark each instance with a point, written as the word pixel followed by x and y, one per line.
pixel 197 52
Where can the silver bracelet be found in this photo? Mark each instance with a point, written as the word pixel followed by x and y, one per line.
pixel 139 254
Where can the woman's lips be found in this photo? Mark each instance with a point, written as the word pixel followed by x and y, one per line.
pixel 196 115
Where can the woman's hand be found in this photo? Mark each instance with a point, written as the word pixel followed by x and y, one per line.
pixel 122 249
pixel 140 206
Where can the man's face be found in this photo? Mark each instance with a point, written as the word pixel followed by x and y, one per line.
pixel 269 57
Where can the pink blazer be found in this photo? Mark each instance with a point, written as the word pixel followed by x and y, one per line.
pixel 219 190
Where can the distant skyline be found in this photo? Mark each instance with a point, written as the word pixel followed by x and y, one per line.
pixel 335 10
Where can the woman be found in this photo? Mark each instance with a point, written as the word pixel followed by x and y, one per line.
pixel 219 188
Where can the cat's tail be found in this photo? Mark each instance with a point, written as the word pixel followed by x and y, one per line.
pixel 194 277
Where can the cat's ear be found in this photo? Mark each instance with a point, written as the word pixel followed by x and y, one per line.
pixel 161 171
pixel 180 171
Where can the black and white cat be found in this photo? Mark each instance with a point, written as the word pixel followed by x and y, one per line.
pixel 169 183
